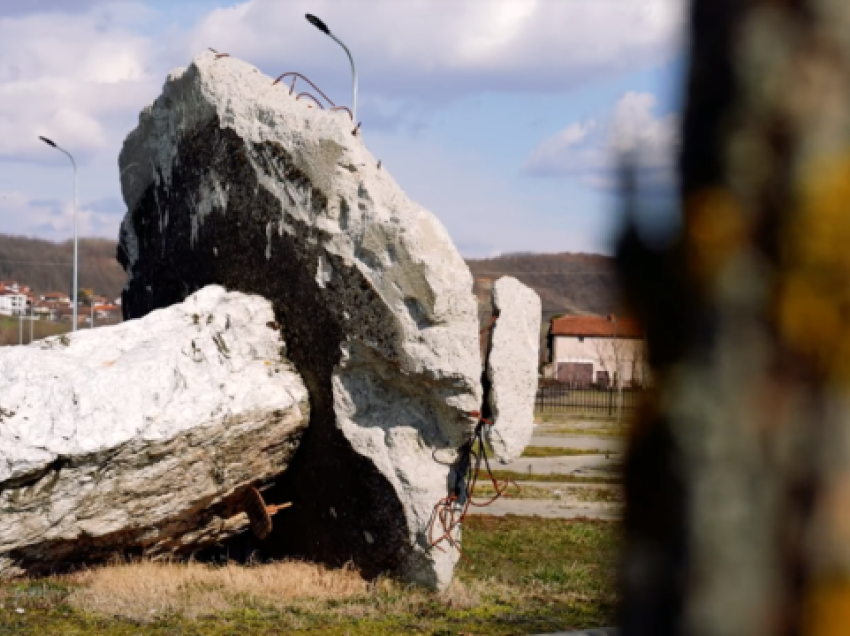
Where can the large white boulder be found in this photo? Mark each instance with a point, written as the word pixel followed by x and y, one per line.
pixel 143 437
pixel 230 179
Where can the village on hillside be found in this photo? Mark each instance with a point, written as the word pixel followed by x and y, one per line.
pixel 20 300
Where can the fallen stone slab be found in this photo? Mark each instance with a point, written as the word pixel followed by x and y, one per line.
pixel 145 437
pixel 230 179
pixel 512 367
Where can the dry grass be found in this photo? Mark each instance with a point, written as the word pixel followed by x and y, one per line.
pixel 146 591
pixel 521 575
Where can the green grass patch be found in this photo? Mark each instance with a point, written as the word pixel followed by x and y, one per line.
pixel 505 475
pixel 9 334
pixel 525 491
pixel 522 575
pixel 555 451
pixel 598 493
pixel 568 416
pixel 608 431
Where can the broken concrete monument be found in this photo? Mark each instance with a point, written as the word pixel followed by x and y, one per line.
pixel 144 437
pixel 230 179
pixel 512 367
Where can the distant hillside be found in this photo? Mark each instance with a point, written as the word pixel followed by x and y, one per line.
pixel 566 283
pixel 46 266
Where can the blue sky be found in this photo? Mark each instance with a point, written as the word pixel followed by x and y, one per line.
pixel 504 117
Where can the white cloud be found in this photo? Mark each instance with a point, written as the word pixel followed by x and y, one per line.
pixel 65 76
pixel 592 151
pixel 539 45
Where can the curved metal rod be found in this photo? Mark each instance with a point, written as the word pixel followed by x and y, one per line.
pixel 305 94
pixel 306 79
pixel 346 109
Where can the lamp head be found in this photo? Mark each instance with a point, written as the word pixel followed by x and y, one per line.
pixel 317 23
pixel 47 141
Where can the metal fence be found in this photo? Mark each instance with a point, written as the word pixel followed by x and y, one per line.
pixel 559 397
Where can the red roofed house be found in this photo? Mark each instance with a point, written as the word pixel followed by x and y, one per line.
pixel 10 285
pixel 46 311
pixel 56 297
pixel 598 350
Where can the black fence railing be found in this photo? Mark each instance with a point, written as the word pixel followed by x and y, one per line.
pixel 559 397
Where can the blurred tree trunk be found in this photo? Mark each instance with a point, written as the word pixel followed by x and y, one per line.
pixel 738 476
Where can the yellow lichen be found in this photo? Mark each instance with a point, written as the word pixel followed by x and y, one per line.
pixel 813 302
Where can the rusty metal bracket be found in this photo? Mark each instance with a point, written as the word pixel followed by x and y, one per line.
pixel 259 514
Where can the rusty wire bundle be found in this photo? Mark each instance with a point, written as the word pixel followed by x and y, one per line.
pixel 450 512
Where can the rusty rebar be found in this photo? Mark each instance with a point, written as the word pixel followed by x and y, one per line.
pixel 345 108
pixel 306 79
pixel 295 77
pixel 306 94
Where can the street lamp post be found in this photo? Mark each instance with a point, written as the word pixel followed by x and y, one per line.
pixel 74 164
pixel 316 22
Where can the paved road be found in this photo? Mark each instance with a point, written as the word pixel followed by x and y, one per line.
pixel 564 465
pixel 550 509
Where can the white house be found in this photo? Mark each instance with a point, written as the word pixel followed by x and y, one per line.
pixel 598 350
pixel 12 303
